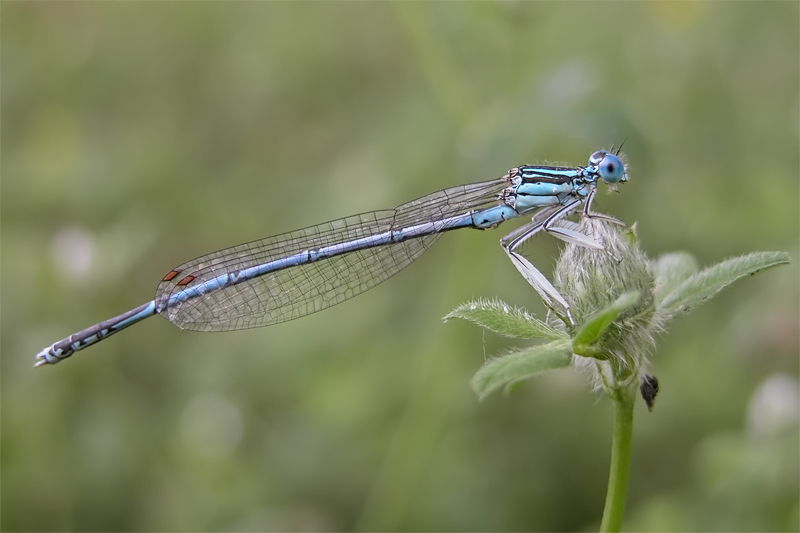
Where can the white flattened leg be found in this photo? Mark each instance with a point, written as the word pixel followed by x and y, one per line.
pixel 569 232
pixel 587 211
pixel 540 283
pixel 552 221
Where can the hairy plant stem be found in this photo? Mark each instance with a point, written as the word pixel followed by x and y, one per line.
pixel 623 400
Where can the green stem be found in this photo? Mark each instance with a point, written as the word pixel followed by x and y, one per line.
pixel 620 460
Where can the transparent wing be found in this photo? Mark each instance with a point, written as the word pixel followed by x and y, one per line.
pixel 307 288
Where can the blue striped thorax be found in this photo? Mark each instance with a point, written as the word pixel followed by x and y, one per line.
pixel 541 186
pixel 534 186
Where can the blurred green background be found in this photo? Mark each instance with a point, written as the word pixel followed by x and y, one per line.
pixel 136 136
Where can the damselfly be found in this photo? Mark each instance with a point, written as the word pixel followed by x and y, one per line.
pixel 291 275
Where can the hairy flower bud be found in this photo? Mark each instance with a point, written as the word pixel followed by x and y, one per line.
pixel 592 279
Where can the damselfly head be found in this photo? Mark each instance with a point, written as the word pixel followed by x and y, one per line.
pixel 608 166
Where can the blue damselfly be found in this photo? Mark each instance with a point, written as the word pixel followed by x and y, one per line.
pixel 291 275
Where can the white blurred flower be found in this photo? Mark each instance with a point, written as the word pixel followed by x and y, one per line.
pixel 774 408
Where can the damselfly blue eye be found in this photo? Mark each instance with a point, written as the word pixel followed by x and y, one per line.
pixel 612 169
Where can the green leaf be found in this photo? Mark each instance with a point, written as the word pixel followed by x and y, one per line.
pixel 501 318
pixel 670 271
pixel 507 369
pixel 632 234
pixel 591 330
pixel 708 282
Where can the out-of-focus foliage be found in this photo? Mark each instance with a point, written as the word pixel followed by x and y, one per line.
pixel 139 135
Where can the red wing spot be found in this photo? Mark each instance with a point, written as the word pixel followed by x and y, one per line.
pixel 187 280
pixel 171 275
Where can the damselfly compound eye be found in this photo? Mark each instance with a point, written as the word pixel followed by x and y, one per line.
pixel 612 169
pixel 597 157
